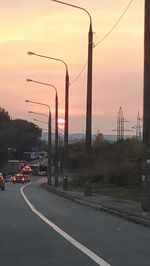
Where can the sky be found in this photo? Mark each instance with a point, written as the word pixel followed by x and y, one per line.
pixel 54 30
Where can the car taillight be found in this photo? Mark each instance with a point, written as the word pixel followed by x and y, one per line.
pixel 14 178
pixel 23 179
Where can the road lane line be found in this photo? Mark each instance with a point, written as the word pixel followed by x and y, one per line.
pixel 73 241
pixel 40 181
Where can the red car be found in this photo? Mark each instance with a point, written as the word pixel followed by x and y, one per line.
pixel 18 178
pixel 26 169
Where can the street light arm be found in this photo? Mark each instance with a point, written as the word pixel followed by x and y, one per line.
pixel 40 121
pixel 49 57
pixel 30 112
pixel 44 104
pixel 67 4
pixel 42 83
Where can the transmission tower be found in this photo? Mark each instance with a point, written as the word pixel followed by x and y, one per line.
pixel 139 127
pixel 120 125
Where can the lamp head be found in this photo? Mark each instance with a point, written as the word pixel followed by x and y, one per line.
pixel 30 53
pixel 27 101
pixel 28 80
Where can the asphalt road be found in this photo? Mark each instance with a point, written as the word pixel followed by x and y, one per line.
pixel 97 238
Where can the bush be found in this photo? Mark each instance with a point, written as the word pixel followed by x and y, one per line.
pixel 117 163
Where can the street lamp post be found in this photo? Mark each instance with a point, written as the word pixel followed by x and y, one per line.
pixel 66 93
pixel 89 78
pixel 66 108
pixel 56 125
pixel 146 110
pixel 49 138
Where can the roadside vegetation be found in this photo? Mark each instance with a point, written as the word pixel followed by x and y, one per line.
pixel 17 136
pixel 111 168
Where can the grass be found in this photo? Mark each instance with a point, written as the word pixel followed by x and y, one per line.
pixel 114 191
pixel 118 192
pixel 107 189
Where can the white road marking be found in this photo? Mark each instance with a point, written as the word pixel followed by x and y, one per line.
pixel 41 180
pixel 73 241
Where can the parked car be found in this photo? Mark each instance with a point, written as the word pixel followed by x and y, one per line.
pixel 2 182
pixel 18 178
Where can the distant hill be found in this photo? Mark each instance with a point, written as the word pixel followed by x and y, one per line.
pixel 76 137
pixel 81 137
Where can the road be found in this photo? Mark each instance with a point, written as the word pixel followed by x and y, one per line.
pixel 38 228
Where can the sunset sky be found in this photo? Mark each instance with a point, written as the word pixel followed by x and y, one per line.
pixel 55 30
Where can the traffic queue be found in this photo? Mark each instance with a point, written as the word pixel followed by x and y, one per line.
pixel 22 173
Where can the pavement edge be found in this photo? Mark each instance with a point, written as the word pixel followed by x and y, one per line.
pixel 127 216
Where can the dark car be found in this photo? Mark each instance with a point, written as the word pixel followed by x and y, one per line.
pixel 2 182
pixel 8 178
pixel 26 178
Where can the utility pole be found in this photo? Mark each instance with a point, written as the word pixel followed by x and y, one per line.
pixel 146 111
pixel 88 140
pixel 89 90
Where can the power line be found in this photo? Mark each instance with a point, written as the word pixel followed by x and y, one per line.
pixel 79 74
pixel 114 24
pixel 111 30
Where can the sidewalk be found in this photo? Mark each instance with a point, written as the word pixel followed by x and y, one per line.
pixel 127 209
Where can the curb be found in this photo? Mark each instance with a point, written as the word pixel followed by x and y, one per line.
pixel 127 216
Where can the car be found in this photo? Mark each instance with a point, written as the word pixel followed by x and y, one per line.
pixel 26 178
pixel 2 182
pixel 35 168
pixel 26 169
pixel 18 178
pixel 7 178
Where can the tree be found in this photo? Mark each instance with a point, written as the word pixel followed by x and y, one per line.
pixel 99 139
pixel 4 117
pixel 23 136
pixel 4 124
pixel 17 135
